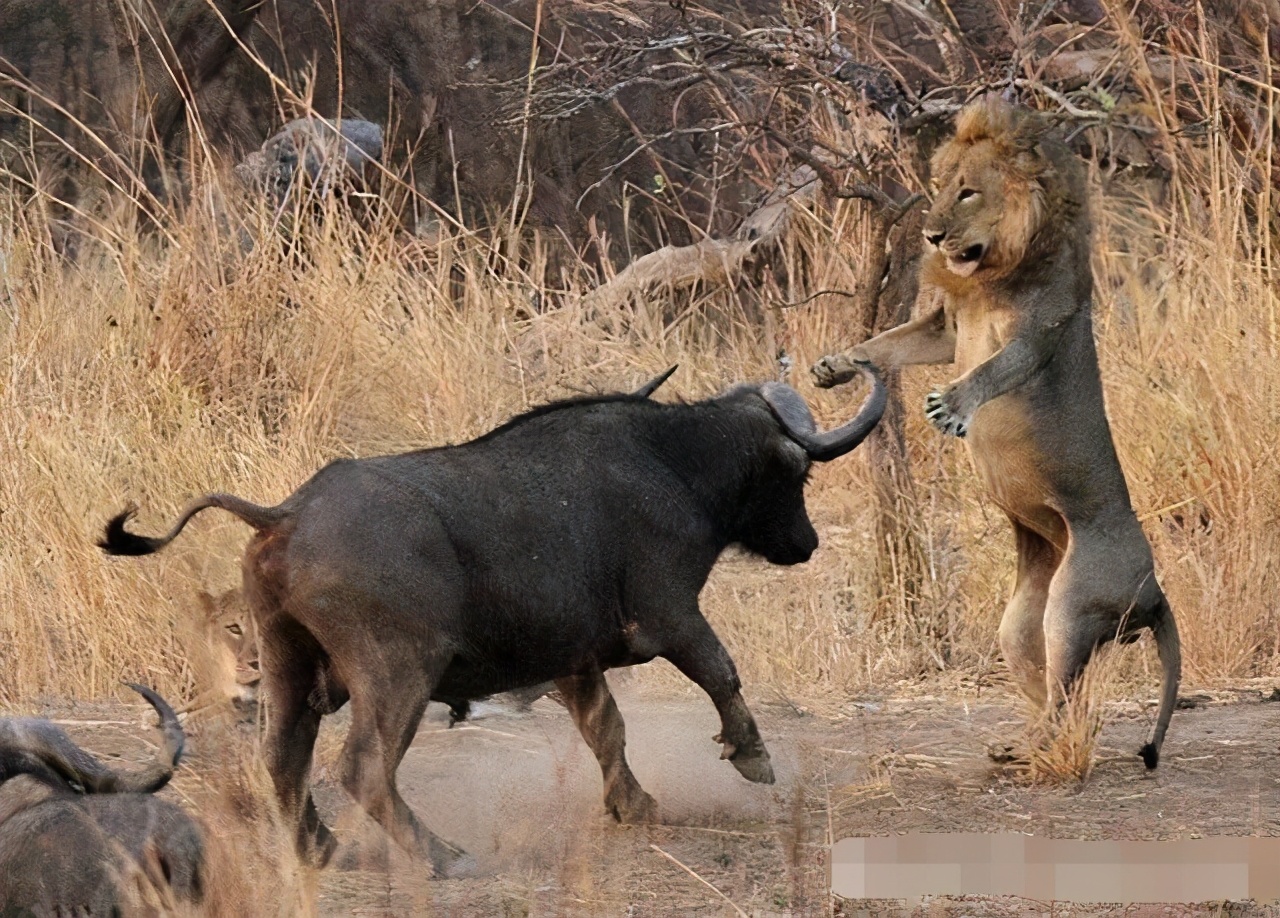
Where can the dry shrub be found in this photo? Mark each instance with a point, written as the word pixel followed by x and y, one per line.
pixel 252 869
pixel 1061 742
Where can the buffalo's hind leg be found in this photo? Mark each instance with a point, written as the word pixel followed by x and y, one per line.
pixel 694 649
pixel 385 713
pixel 594 711
pixel 289 658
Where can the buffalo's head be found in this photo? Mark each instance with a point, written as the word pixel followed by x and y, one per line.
pixel 772 520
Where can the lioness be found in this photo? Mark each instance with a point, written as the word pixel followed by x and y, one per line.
pixel 1007 243
pixel 232 639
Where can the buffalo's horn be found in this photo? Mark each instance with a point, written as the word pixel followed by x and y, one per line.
pixel 49 745
pixel 652 385
pixel 796 419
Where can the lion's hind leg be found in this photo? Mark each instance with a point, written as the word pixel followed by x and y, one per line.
pixel 1105 589
pixel 1022 639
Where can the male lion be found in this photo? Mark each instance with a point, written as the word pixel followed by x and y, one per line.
pixel 1008 245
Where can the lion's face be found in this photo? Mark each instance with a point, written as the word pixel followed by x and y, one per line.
pixel 232 638
pixel 964 220
pixel 988 201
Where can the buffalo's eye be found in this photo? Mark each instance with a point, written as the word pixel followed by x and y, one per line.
pixel 965 194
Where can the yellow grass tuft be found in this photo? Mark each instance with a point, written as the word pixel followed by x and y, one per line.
pixel 1061 743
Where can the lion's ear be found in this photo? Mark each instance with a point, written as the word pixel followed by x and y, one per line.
pixel 1029 129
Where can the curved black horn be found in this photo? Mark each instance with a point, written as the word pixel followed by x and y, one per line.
pixel 652 385
pixel 791 411
pixel 174 739
pixel 40 747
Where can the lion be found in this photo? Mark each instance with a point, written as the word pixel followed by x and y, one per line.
pixel 1008 246
pixel 232 641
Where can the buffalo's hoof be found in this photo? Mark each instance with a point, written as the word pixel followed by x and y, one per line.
pixel 454 865
pixel 636 809
pixel 756 769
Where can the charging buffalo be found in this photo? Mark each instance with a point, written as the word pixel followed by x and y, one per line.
pixel 572 539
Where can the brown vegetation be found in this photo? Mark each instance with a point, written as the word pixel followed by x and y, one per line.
pixel 247 372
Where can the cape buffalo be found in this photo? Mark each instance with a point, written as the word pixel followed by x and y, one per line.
pixel 66 852
pixel 572 539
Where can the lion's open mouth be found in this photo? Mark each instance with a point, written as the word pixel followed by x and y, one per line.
pixel 967 261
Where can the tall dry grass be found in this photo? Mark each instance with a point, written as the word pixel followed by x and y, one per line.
pixel 161 366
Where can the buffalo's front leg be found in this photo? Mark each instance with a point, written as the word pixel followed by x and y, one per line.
pixel 591 703
pixel 696 651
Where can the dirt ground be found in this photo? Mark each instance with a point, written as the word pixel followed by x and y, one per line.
pixel 521 792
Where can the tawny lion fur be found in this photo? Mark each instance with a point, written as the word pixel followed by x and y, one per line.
pixel 1008 244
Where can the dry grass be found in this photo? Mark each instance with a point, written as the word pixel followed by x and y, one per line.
pixel 153 371
pixel 159 367
pixel 1061 743
pixel 250 861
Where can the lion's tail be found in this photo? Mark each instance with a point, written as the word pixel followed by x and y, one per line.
pixel 1169 648
pixel 119 541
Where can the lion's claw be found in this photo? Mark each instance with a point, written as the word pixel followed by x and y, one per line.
pixel 835 370
pixel 943 416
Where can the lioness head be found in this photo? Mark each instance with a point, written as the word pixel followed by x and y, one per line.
pixel 995 190
pixel 232 638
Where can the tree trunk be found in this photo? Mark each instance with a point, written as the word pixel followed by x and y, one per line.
pixel 902 568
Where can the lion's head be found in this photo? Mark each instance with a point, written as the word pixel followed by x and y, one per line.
pixel 232 640
pixel 1003 191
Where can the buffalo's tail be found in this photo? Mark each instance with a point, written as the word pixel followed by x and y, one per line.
pixel 1169 648
pixel 117 540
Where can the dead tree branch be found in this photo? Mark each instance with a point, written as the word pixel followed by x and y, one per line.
pixel 716 262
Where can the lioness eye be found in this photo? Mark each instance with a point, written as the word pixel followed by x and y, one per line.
pixel 235 629
pixel 965 194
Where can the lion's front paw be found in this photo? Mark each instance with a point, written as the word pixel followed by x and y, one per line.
pixel 834 370
pixel 943 414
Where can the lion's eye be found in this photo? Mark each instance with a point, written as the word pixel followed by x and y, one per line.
pixel 236 630
pixel 965 194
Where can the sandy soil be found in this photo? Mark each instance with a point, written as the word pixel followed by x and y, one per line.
pixel 521 792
